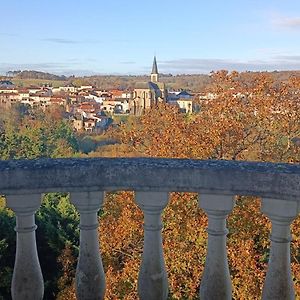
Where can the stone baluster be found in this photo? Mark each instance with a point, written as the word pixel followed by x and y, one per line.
pixel 27 281
pixel 278 283
pixel 216 283
pixel 90 277
pixel 152 281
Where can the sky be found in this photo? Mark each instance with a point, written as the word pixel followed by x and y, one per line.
pixel 121 37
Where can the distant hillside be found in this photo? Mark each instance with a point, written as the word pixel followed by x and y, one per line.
pixel 194 83
pixel 278 76
pixel 187 82
pixel 35 75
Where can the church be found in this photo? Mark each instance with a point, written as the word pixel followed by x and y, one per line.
pixel 149 93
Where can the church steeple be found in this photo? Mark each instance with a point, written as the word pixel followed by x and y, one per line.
pixel 154 73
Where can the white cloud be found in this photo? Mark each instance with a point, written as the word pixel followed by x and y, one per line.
pixel 69 41
pixel 192 66
pixel 285 22
pixel 292 23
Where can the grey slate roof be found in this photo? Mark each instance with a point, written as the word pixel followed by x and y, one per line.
pixel 6 83
pixel 184 93
pixel 142 85
pixel 153 86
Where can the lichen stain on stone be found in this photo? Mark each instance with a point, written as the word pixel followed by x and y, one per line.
pixel 157 276
pixel 96 277
pixel 81 278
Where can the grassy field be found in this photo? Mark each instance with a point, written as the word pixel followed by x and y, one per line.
pixel 38 82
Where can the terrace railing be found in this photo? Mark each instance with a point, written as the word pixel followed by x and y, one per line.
pixel 218 182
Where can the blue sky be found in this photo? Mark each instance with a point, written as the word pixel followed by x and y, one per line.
pixel 121 37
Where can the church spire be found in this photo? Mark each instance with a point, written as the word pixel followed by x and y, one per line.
pixel 154 73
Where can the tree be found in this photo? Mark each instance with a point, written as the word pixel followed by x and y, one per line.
pixel 33 136
pixel 37 135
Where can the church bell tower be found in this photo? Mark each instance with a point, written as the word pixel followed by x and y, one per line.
pixel 154 73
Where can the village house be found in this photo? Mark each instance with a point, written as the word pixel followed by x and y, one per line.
pixel 116 93
pixel 103 94
pixel 182 99
pixel 96 123
pixel 117 105
pixel 70 88
pixel 58 100
pixel 88 109
pixel 4 90
pixel 89 124
pixel 75 99
pixel 86 88
pixel 33 89
pixel 93 96
pixel 39 100
pixel 8 99
pixel 77 122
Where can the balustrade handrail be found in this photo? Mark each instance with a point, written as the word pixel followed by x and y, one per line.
pixel 217 182
pixel 272 180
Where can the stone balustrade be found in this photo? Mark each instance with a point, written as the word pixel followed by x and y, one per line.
pixel 217 182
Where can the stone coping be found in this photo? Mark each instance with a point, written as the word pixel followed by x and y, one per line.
pixel 272 180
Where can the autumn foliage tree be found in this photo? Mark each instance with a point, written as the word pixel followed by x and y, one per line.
pixel 253 119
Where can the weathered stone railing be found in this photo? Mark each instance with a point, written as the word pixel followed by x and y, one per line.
pixel 217 182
